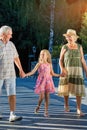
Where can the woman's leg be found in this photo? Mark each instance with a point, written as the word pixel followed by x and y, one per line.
pixel 66 104
pixel 79 98
pixel 46 103
pixel 41 97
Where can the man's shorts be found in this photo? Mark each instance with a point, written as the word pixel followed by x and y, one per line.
pixel 9 84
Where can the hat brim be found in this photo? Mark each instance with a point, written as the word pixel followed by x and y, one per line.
pixel 68 35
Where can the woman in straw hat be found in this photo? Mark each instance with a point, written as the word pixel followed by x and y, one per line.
pixel 71 64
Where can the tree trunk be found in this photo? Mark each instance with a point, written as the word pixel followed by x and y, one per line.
pixel 51 26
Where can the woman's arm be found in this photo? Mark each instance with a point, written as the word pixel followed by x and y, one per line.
pixel 83 60
pixel 61 61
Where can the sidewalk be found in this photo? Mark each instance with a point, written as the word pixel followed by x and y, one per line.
pixel 27 101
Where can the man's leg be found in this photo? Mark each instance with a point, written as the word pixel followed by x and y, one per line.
pixel 1 84
pixel 11 92
pixel 12 102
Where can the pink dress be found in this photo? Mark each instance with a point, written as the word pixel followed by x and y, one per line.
pixel 44 81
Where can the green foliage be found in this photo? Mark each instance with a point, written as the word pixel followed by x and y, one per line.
pixel 33 17
pixel 30 21
pixel 56 51
pixel 71 1
pixel 83 32
pixel 67 16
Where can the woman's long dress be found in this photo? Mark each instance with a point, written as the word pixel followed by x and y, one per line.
pixel 73 84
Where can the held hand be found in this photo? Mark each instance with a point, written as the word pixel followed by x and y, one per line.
pixel 64 72
pixel 22 74
pixel 62 75
pixel 27 74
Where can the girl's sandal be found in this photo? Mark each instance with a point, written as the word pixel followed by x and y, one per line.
pixel 46 114
pixel 36 109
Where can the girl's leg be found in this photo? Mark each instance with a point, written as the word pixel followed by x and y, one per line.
pixel 46 103
pixel 78 98
pixel 66 104
pixel 41 97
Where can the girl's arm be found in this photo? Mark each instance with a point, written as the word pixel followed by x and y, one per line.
pixel 54 74
pixel 34 70
pixel 83 61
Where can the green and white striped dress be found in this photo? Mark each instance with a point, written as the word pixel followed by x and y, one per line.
pixel 73 84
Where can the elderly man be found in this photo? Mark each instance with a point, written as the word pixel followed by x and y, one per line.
pixel 9 56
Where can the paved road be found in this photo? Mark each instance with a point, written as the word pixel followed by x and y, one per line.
pixel 27 101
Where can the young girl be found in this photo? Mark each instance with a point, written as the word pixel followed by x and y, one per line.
pixel 44 83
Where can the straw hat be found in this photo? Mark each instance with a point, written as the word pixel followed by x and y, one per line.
pixel 71 32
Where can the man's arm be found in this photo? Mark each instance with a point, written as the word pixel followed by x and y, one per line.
pixel 19 66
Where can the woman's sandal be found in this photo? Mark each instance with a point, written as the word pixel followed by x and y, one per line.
pixel 36 109
pixel 80 113
pixel 66 109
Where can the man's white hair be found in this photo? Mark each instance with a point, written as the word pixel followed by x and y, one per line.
pixel 4 29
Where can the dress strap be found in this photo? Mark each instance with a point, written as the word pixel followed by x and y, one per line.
pixel 66 47
pixel 78 46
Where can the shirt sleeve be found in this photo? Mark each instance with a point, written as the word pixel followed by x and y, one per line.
pixel 15 53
